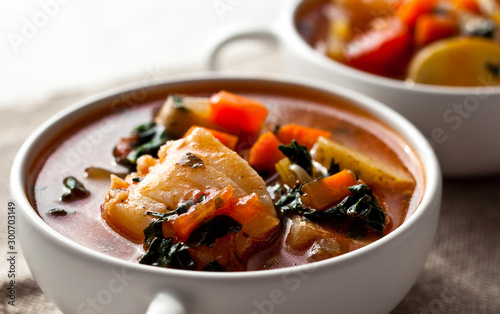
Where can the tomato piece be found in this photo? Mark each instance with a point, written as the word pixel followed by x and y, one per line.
pixel 381 50
pixel 236 113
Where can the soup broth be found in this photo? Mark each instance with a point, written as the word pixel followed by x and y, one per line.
pixel 92 145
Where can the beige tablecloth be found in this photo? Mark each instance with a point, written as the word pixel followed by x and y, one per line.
pixel 462 274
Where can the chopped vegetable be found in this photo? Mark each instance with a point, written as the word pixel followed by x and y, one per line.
pixel 166 253
pixel 209 231
pixel 477 26
pixel 303 135
pixel 57 212
pixel 228 140
pixel 145 139
pixel 409 11
pixel 237 113
pixel 372 171
pixel 381 50
pixel 291 202
pixel 298 155
pixel 361 209
pixel 358 213
pixel 469 5
pixel 283 167
pixel 431 27
pixel 187 222
pixel 264 154
pixel 179 113
pixel 324 192
pixel 438 63
pixel 101 173
pixel 338 36
pixel 77 190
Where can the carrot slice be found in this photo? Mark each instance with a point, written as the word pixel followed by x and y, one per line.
pixel 431 27
pixel 411 10
pixel 303 135
pixel 228 140
pixel 236 113
pixel 264 154
pixel 325 192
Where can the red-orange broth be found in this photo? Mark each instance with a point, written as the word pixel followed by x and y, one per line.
pixel 92 145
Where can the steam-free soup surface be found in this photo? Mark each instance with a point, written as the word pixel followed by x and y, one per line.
pixel 93 144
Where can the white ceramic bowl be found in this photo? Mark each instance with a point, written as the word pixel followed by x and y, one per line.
pixel 460 122
pixel 372 279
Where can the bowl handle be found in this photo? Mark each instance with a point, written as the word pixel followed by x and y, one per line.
pixel 228 34
pixel 164 303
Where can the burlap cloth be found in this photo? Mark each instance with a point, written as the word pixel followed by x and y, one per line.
pixel 462 274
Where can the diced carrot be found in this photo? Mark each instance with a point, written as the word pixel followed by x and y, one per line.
pixel 228 140
pixel 236 113
pixel 431 27
pixel 303 135
pixel 189 221
pixel 325 192
pixel 409 11
pixel 264 154
pixel 469 5
pixel 243 209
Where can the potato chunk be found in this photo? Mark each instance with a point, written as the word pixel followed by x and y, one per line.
pixel 370 170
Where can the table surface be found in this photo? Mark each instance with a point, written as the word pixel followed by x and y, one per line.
pixel 85 47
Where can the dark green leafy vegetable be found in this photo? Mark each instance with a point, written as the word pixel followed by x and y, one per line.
pixel 212 229
pixel 360 206
pixel 191 160
pixel 144 139
pixel 291 202
pixel 154 229
pixel 76 190
pixel 360 210
pixel 167 253
pixel 298 154
pixel 150 137
pixel 57 212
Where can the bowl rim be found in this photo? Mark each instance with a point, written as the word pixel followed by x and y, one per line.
pixel 409 133
pixel 288 24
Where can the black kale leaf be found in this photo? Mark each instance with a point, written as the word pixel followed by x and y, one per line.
pixel 299 155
